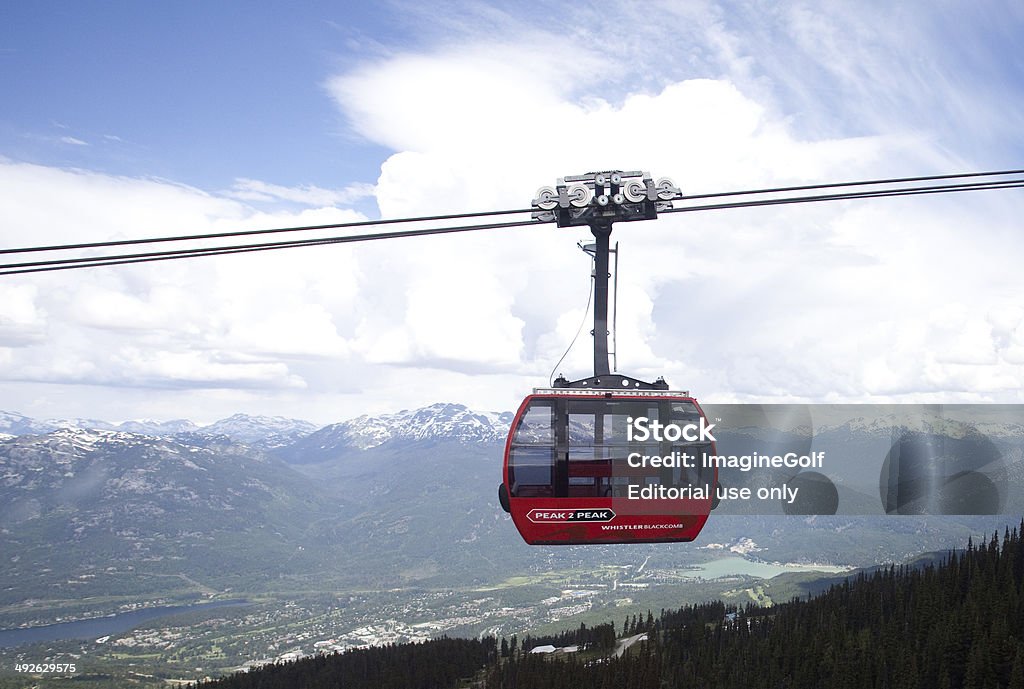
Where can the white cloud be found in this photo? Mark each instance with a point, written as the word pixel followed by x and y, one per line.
pixel 309 195
pixel 21 321
pixel 231 322
pixel 807 302
pixel 155 368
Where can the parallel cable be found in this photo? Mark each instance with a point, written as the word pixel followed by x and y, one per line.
pixel 456 216
pixel 878 193
pixel 244 233
pixel 122 259
pixel 869 182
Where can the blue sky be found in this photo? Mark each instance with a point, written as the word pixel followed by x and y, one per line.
pixel 201 93
pixel 130 119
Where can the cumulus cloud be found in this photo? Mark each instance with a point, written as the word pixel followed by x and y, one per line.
pixel 852 301
pixel 203 323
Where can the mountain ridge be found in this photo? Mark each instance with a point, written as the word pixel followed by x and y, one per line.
pixel 442 421
pixel 438 421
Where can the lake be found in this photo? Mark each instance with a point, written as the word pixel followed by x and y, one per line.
pixel 101 626
pixel 733 566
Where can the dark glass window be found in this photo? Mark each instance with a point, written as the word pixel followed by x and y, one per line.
pixel 532 455
pixel 579 447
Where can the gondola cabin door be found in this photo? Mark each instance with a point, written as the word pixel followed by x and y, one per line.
pixel 596 466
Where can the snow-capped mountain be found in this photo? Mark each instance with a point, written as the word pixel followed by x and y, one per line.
pixel 997 422
pixel 57 459
pixel 438 422
pixel 298 440
pixel 13 423
pixel 441 421
pixel 92 424
pixel 150 427
pixel 266 432
pixel 931 424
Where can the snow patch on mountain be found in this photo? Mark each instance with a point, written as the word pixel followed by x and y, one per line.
pixel 19 424
pixel 266 432
pixel 441 421
pixel 916 421
pixel 150 427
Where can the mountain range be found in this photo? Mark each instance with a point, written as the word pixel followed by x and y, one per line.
pixel 92 511
pixel 442 422
pixel 303 442
pixel 265 432
pixel 437 422
pixel 88 508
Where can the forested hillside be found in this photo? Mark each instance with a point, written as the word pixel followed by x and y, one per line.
pixel 960 624
pixel 429 665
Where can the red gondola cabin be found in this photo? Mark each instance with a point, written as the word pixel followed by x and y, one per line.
pixel 608 466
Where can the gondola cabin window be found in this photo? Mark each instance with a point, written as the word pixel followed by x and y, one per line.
pixel 580 448
pixel 532 455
